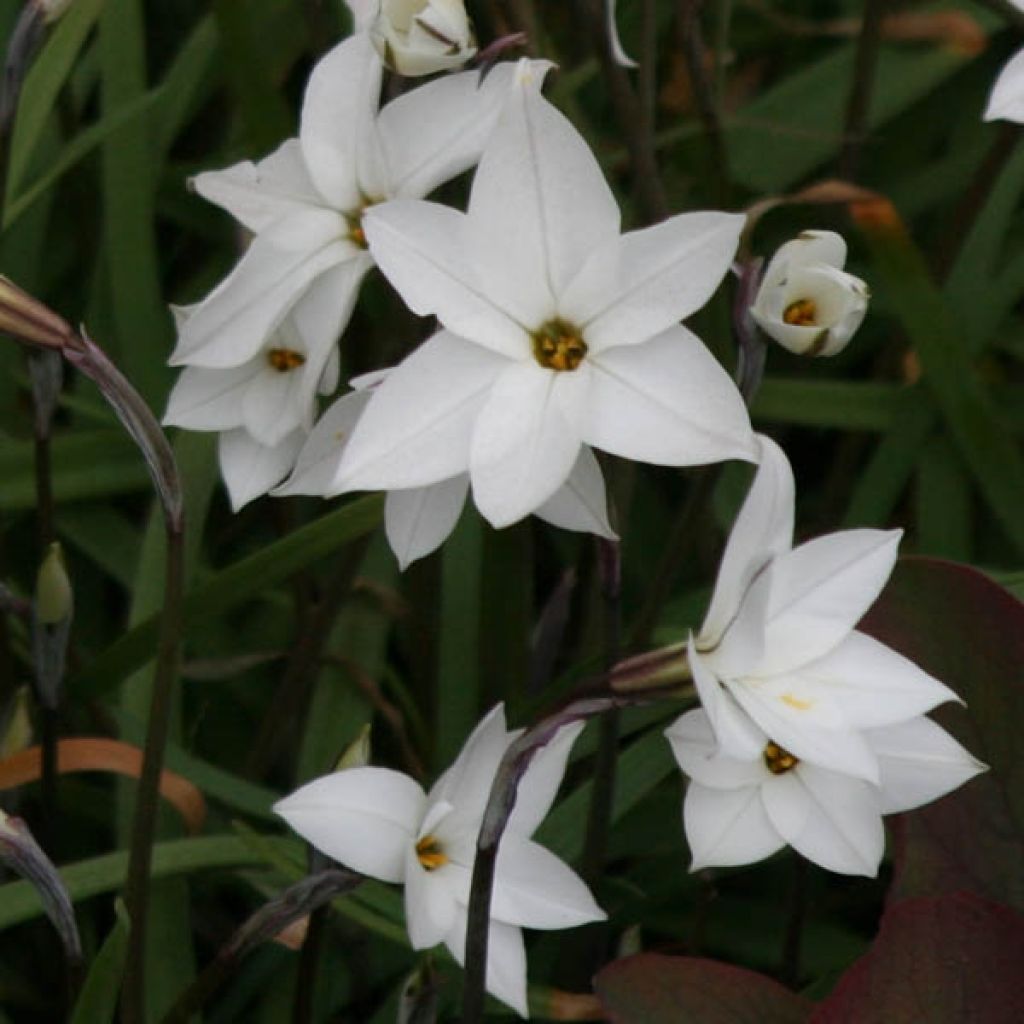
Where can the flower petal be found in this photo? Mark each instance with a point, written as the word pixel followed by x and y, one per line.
pixel 919 762
pixel 419 520
pixel 762 531
pixel 438 130
pixel 203 399
pixel 364 818
pixel 273 405
pixel 249 468
pixel 337 131
pixel 417 427
pixel 820 590
pixel 639 285
pixel 430 905
pixel 1006 101
pixel 506 961
pixel 467 783
pixel 611 26
pixel 727 827
pixel 666 401
pixel 539 784
pixel 523 446
pixel 581 503
pixel 831 819
pixel 695 748
pixel 539 203
pixel 736 733
pixel 257 195
pixel 872 685
pixel 423 249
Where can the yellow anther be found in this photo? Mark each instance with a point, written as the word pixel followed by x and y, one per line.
pixel 801 313
pixel 430 854
pixel 285 359
pixel 777 760
pixel 558 346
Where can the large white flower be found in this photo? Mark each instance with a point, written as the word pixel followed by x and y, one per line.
pixel 741 809
pixel 559 331
pixel 778 654
pixel 305 202
pixel 381 823
pixel 806 301
pixel 419 519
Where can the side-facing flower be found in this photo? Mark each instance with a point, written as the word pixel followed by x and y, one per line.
pixel 419 519
pixel 806 301
pixel 739 810
pixel 419 37
pixel 381 823
pixel 778 654
pixel 305 202
pixel 559 332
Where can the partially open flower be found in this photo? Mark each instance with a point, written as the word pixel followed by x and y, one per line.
pixel 806 301
pixel 419 37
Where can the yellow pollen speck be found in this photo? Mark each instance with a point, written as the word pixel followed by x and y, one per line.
pixel 801 313
pixel 558 346
pixel 430 854
pixel 777 760
pixel 285 359
pixel 796 703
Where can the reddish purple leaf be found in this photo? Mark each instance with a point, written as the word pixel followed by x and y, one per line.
pixel 943 960
pixel 969 632
pixel 653 989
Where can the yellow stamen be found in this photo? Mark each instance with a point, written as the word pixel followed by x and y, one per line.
pixel 796 703
pixel 777 760
pixel 285 359
pixel 430 854
pixel 559 346
pixel 801 313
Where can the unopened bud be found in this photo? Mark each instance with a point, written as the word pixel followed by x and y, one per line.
pixel 357 753
pixel 28 320
pixel 54 598
pixel 16 725
pixel 419 37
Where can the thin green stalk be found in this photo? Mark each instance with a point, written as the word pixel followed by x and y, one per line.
pixel 146 803
pixel 304 1005
pixel 858 105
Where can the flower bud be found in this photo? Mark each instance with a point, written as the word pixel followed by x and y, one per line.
pixel 806 301
pixel 357 753
pixel 54 601
pixel 28 320
pixel 419 37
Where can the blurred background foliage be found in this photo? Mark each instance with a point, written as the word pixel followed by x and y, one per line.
pixel 300 628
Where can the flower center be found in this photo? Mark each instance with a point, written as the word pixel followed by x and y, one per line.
pixel 558 346
pixel 801 313
pixel 430 854
pixel 285 359
pixel 778 760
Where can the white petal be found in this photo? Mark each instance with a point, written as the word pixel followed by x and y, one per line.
pixel 430 905
pixel 363 12
pixel 741 647
pixel 820 590
pixel 666 401
pixel 320 456
pixel 273 406
pixel 419 422
pixel 611 25
pixel 364 818
pixel 419 520
pixel 506 961
pixel 825 247
pixel 438 130
pixel 534 889
pixel 523 446
pixel 919 762
pixel 338 136
pixel 423 249
pixel 1007 99
pixel 539 200
pixel 249 468
pixel 763 530
pixel 831 819
pixel 736 733
pixel 232 324
pixel 581 503
pixel 695 748
pixel 466 785
pixel 539 784
pixel 727 827
pixel 811 730
pixel 872 684
pixel 640 284
pixel 203 399
pixel 257 195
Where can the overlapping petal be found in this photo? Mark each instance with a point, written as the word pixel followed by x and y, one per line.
pixel 581 503
pixel 249 468
pixel 1006 101
pixel 418 520
pixel 733 727
pixel 540 782
pixel 430 904
pixel 727 827
pixel 506 961
pixel 696 748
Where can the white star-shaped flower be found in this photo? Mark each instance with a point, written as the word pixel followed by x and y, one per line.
pixel 305 202
pixel 380 822
pixel 739 810
pixel 559 331
pixel 778 654
pixel 419 519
